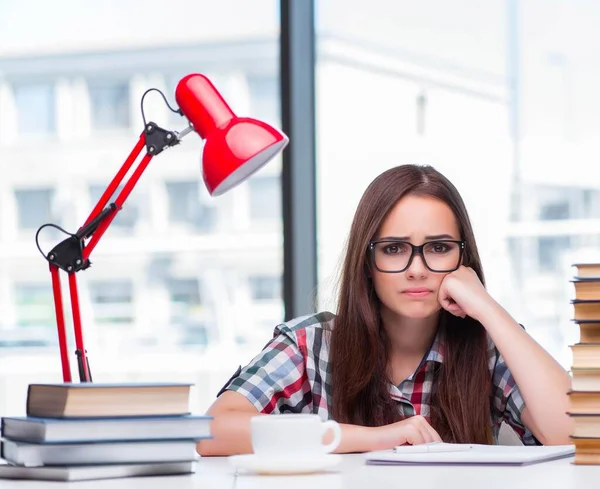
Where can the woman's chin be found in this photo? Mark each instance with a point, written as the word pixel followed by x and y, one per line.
pixel 419 311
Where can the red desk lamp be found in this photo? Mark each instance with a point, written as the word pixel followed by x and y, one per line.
pixel 234 149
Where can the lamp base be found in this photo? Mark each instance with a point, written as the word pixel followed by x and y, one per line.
pixel 85 375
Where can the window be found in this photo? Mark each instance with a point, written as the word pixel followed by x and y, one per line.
pixel 36 111
pixel 186 207
pixel 112 301
pixel 264 98
pixel 35 305
pixel 184 294
pixel 117 292
pixel 109 101
pixel 128 216
pixel 591 203
pixel 34 208
pixel 555 210
pixel 95 75
pixel 467 127
pixel 265 287
pixel 265 198
pixel 550 252
pixel 187 312
pixel 173 120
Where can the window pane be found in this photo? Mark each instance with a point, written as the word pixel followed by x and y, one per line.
pixel 109 104
pixel 184 295
pixel 551 251
pixel 186 208
pixel 265 194
pixel 35 305
pixel 557 210
pixel 34 207
pixel 185 291
pixel 512 120
pixel 35 106
pixel 168 280
pixel 188 313
pixel 265 287
pixel 264 96
pixel 112 301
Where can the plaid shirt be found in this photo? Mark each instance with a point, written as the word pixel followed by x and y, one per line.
pixel 292 375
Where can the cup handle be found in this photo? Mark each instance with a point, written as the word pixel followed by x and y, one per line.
pixel 337 435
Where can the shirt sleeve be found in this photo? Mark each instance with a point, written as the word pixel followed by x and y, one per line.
pixel 274 381
pixel 507 401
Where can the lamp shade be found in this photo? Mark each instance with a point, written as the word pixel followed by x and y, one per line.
pixel 234 147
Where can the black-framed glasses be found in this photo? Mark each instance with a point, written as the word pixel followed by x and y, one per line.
pixel 393 256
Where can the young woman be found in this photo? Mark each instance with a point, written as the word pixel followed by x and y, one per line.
pixel 418 350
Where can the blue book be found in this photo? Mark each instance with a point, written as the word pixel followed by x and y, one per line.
pixel 131 452
pixel 95 430
pixel 86 400
pixel 94 472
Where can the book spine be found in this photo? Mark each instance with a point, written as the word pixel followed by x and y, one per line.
pixel 28 402
pixel 584 403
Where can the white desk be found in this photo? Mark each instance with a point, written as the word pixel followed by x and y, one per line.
pixel 352 473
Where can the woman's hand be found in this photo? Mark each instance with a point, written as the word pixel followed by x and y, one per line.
pixel 462 294
pixel 412 431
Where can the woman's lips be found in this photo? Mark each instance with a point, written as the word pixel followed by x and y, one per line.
pixel 417 292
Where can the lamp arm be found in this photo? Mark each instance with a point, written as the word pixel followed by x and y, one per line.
pixel 238 141
pixel 72 254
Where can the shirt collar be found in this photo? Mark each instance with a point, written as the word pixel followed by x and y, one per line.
pixel 438 347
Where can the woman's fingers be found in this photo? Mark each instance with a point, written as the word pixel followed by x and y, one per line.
pixel 418 430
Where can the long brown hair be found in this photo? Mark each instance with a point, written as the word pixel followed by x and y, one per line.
pixel 460 410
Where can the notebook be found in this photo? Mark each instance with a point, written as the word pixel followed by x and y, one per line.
pixel 467 454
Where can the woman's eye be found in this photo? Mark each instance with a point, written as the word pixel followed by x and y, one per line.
pixel 395 248
pixel 440 248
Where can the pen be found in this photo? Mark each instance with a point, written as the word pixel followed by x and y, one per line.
pixel 433 447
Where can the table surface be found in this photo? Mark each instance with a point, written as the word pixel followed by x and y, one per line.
pixel 352 473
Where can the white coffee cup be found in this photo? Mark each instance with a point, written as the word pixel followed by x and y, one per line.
pixel 292 435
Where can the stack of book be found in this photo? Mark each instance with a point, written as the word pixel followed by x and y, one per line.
pixel 98 431
pixel 584 397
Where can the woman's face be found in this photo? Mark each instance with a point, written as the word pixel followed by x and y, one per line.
pixel 413 293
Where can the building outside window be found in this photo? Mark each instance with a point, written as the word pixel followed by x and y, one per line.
pixel 109 104
pixel 36 109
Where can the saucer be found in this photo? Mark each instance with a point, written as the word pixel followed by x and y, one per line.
pixel 284 465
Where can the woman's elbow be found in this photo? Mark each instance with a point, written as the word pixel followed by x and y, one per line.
pixel 561 435
pixel 558 439
pixel 230 435
pixel 205 448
